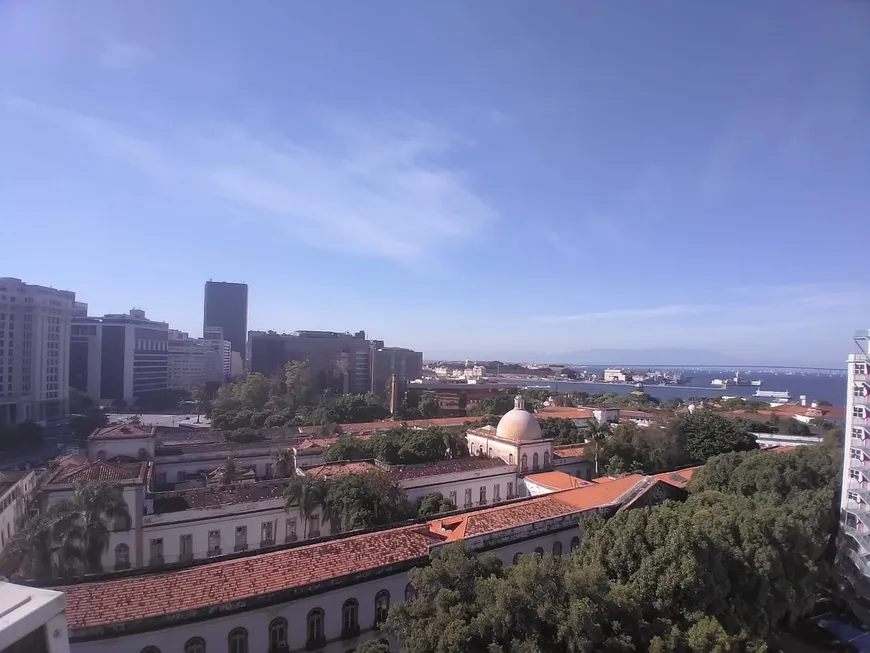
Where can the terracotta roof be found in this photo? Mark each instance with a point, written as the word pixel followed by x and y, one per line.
pixel 404 473
pixel 419 423
pixel 528 512
pixel 74 469
pixel 679 478
pixel 331 470
pixel 635 414
pixel 565 413
pixel 142 597
pixel 557 480
pixel 217 496
pixel 122 430
pixel 322 443
pixel 793 410
pixel 569 451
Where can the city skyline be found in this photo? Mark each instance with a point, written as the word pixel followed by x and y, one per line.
pixel 587 177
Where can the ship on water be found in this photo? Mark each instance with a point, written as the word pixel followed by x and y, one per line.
pixel 773 394
pixel 736 381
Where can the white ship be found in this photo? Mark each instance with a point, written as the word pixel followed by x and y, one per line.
pixel 773 394
pixel 726 383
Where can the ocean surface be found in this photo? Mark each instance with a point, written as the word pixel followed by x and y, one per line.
pixel 815 386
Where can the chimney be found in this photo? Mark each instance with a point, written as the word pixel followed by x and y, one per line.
pixel 803 400
pixel 394 395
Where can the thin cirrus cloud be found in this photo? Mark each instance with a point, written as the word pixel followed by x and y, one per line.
pixel 367 190
pixel 674 310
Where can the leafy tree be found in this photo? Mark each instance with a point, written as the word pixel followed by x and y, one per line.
pixel 308 493
pixel 36 549
pixel 791 426
pixel 202 401
pixel 352 409
pixel 631 448
pixel 83 425
pixel 243 434
pixel 363 500
pixel 561 430
pixel 374 646
pixel 708 433
pixel 24 436
pixel 428 404
pixel 433 504
pixel 229 472
pixel 497 405
pixel 254 390
pixel 349 447
pixel 94 506
pixel 297 378
pixel 285 463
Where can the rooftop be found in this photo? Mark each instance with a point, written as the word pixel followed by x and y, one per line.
pixel 8 479
pixel 474 463
pixel 331 470
pixel 556 412
pixel 679 478
pixel 569 451
pixel 217 496
pixel 76 469
pixel 557 480
pixel 121 430
pixel 143 597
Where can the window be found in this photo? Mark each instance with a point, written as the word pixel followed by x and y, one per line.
pixel 157 551
pixel 241 538
pixel 181 477
pixel 278 633
pixel 535 465
pixel 185 547
pixel 557 549
pixel 860 368
pixel 546 459
pixel 524 463
pixel 510 490
pixel 143 454
pixel 238 640
pixel 410 592
pixel 453 497
pixel 510 459
pixel 268 469
pixel 856 454
pixel 194 645
pixel 290 530
pixel 859 391
pixel 214 542
pixel 315 628
pixel 382 606
pixel 266 536
pixel 482 494
pixel 122 556
pixel 858 411
pixel 518 557
pixel 539 551
pixel 575 542
pixel 350 618
pixel 468 498
pixel 496 492
pixel 314 529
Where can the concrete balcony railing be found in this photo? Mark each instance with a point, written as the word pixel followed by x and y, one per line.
pixel 861 537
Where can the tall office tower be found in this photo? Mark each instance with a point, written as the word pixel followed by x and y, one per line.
pixel 218 355
pixel 226 306
pixel 85 352
pixel 135 356
pixel 853 556
pixel 405 364
pixel 187 360
pixel 34 351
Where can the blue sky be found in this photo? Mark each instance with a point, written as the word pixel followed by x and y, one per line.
pixel 462 178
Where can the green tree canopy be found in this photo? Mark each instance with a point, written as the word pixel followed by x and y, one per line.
pixel 433 504
pixel 708 433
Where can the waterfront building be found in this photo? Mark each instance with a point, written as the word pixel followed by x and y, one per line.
pixel 225 305
pixel 34 351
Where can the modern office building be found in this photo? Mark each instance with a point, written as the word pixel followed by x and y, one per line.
pixel 218 355
pixel 406 364
pixel 225 305
pixel 187 361
pixel 135 356
pixel 85 352
pixel 853 560
pixel 34 351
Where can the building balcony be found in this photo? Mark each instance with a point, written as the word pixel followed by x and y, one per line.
pixel 861 537
pixel 862 492
pixel 861 515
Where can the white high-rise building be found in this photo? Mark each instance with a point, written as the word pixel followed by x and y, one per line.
pixel 135 356
pixel 34 351
pixel 218 355
pixel 187 358
pixel 854 553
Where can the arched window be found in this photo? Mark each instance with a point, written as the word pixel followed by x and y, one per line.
pixel 524 463
pixel 143 454
pixel 510 459
pixel 194 645
pixel 535 461
pixel 122 556
pixel 382 606
pixel 517 557
pixel 278 633
pixel 410 592
pixel 539 551
pixel 557 548
pixel 575 542
pixel 350 618
pixel 150 649
pixel 315 628
pixel 546 459
pixel 238 640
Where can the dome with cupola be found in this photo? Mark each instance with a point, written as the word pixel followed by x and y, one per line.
pixel 518 424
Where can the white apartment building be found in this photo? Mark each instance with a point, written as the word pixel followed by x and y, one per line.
pixel 187 362
pixel 34 351
pixel 32 620
pixel 16 491
pixel 853 560
pixel 218 355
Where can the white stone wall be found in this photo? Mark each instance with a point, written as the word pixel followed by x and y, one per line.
pixel 460 482
pixel 129 446
pixel 13 507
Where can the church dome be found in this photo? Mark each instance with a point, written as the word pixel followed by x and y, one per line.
pixel 518 424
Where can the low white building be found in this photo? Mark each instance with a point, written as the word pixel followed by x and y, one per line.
pixel 218 355
pixel 187 362
pixel 16 491
pixel 32 620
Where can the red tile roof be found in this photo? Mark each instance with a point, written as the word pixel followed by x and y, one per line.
pixel 679 478
pixel 331 470
pixel 418 423
pixel 569 451
pixel 474 463
pixel 557 480
pixel 143 597
pixel 565 413
pixel 122 430
pixel 217 496
pixel 75 469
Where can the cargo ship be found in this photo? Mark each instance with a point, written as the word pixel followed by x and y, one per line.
pixel 736 381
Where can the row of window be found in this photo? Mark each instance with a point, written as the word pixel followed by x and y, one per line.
pixel 315 634
pixel 482 498
pixel 557 549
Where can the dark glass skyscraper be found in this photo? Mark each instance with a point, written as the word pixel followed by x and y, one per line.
pixel 226 306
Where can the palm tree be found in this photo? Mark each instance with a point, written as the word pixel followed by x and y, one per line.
pixel 285 464
pixel 596 433
pixel 201 399
pixel 93 506
pixel 34 552
pixel 229 472
pixel 308 493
